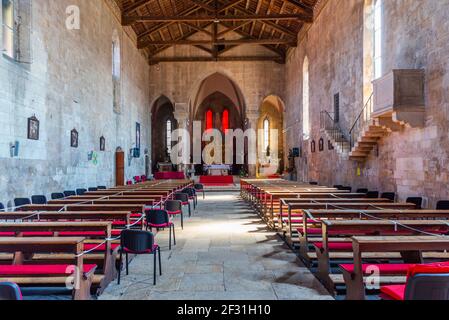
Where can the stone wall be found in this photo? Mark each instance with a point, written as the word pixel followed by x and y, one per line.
pixel 411 162
pixel 68 85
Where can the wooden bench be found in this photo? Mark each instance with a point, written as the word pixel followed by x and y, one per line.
pixel 410 246
pixel 48 275
pixel 348 228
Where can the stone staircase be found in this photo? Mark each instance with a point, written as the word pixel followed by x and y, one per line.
pixel 367 139
pixel 335 135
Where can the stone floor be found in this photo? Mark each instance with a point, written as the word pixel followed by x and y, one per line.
pixel 224 253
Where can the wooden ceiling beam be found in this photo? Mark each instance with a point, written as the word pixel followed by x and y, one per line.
pixel 299 4
pixel 136 6
pixel 128 20
pixel 241 25
pixel 273 25
pixel 199 29
pixel 154 60
pixel 216 42
pixel 167 24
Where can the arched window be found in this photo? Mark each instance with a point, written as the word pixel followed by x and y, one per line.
pixel 168 130
pixel 225 120
pixel 305 99
pixel 377 54
pixel 266 135
pixel 116 71
pixel 209 120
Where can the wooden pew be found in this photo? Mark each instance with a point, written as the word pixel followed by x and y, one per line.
pixel 88 230
pixel 53 275
pixel 323 215
pixel 348 228
pixel 329 206
pixel 406 245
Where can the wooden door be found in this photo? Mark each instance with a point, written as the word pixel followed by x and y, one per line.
pixel 120 168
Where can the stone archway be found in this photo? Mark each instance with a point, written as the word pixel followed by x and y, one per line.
pixel 163 117
pixel 270 139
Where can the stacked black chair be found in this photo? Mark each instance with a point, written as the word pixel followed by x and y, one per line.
pixel 443 205
pixel 159 219
pixel 313 183
pixel 415 200
pixel 346 189
pixel 191 192
pixel 93 189
pixel 184 198
pixel 362 190
pixel 338 186
pixel 200 188
pixel 389 195
pixel 101 188
pixel 39 199
pixel 57 196
pixel 19 202
pixel 2 207
pixel 174 208
pixel 10 291
pixel 136 242
pixel 80 192
pixel 372 195
pixel 69 194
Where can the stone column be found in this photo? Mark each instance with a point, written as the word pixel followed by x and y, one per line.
pixel 252 119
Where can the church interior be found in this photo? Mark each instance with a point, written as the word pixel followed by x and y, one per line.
pixel 224 150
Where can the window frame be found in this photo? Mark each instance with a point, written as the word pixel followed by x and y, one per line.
pixel 377 39
pixel 10 53
pixel 266 134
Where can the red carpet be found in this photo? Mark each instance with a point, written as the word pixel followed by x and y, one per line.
pixel 217 180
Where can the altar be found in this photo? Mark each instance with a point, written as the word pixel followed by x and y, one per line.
pixel 217 169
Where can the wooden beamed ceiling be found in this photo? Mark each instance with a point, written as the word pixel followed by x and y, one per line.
pixel 221 24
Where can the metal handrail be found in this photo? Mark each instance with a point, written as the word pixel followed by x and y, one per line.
pixel 361 120
pixel 332 128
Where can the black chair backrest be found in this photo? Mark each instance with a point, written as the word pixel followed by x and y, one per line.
pixel 313 183
pixel 57 195
pixel 18 202
pixel 199 187
pixel 416 200
pixel 443 205
pixel 389 195
pixel 38 199
pixel 372 195
pixel 338 186
pixel 190 191
pixel 427 287
pixel 69 193
pixel 157 217
pixel 346 189
pixel 362 190
pixel 173 205
pixel 137 240
pixel 101 188
pixel 184 197
pixel 2 207
pixel 93 189
pixel 80 192
pixel 10 291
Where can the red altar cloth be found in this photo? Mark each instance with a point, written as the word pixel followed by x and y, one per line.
pixel 169 176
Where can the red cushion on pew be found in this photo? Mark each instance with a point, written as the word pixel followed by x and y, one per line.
pixel 102 248
pixel 390 268
pixel 123 223
pixel 38 234
pixel 136 215
pixel 437 267
pixel 393 292
pixel 7 234
pixel 310 230
pixel 337 246
pixel 332 232
pixel 174 212
pixel 23 270
pixel 82 234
